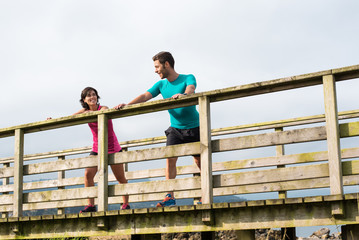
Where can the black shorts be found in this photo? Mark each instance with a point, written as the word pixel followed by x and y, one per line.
pixel 178 136
pixel 95 153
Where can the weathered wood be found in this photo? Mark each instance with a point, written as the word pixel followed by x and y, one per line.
pixel 279 149
pixel 102 162
pixel 333 138
pixel 149 173
pixel 206 150
pixel 350 232
pixel 240 218
pixel 169 185
pixel 60 176
pixel 5 182
pixel 288 233
pixel 269 139
pixel 157 153
pixel 215 132
pixel 245 234
pixel 18 172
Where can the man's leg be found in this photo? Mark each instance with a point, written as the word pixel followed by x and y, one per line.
pixel 171 171
pixel 197 160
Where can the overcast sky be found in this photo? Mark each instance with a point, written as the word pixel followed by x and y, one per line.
pixel 51 50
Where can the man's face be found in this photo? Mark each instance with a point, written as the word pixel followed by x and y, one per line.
pixel 161 69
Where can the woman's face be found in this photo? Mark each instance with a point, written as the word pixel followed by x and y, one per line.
pixel 91 98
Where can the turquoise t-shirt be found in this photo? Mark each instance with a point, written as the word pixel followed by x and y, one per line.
pixel 182 118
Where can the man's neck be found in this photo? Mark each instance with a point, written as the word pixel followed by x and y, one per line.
pixel 172 76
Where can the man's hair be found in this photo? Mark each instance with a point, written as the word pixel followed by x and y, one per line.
pixel 163 57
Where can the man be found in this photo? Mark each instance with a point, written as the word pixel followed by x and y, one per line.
pixel 184 121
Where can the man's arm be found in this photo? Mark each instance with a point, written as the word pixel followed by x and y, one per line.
pixel 189 90
pixel 139 99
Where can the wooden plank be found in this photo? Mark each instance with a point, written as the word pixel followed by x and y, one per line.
pixel 279 149
pixel 102 172
pixel 206 150
pixel 272 175
pixel 333 138
pixel 182 170
pixel 219 166
pixel 157 153
pixel 215 132
pixel 283 186
pixel 60 177
pixel 269 139
pixel 282 174
pixel 64 194
pixel 5 182
pixel 60 165
pixel 18 172
pixel 169 185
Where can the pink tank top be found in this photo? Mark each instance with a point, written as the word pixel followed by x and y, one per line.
pixel 113 145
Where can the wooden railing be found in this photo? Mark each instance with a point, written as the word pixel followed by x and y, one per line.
pixel 293 172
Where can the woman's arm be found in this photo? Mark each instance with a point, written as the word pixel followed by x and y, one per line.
pixel 81 111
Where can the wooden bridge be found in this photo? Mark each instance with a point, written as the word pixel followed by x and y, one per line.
pixel 333 169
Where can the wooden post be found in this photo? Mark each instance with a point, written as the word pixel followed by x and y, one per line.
pixel 5 181
pixel 206 150
pixel 333 142
pixel 288 233
pixel 60 177
pixel 18 172
pixel 350 232
pixel 333 137
pixel 279 149
pixel 102 163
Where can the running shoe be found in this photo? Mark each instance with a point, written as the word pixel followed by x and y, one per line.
pixel 168 201
pixel 125 206
pixel 89 208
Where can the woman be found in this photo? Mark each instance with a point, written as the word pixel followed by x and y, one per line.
pixel 89 101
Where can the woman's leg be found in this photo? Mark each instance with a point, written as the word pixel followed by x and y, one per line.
pixel 119 173
pixel 89 181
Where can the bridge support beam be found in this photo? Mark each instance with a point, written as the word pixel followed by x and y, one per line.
pixel 350 232
pixel 288 233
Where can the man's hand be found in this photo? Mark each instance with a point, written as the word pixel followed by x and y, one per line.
pixel 119 106
pixel 178 95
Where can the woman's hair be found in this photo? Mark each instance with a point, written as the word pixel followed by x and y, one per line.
pixel 84 94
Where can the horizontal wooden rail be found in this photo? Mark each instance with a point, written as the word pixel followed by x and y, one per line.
pixel 165 104
pixel 279 173
pixel 215 132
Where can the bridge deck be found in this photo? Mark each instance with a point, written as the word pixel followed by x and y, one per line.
pixel 272 213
